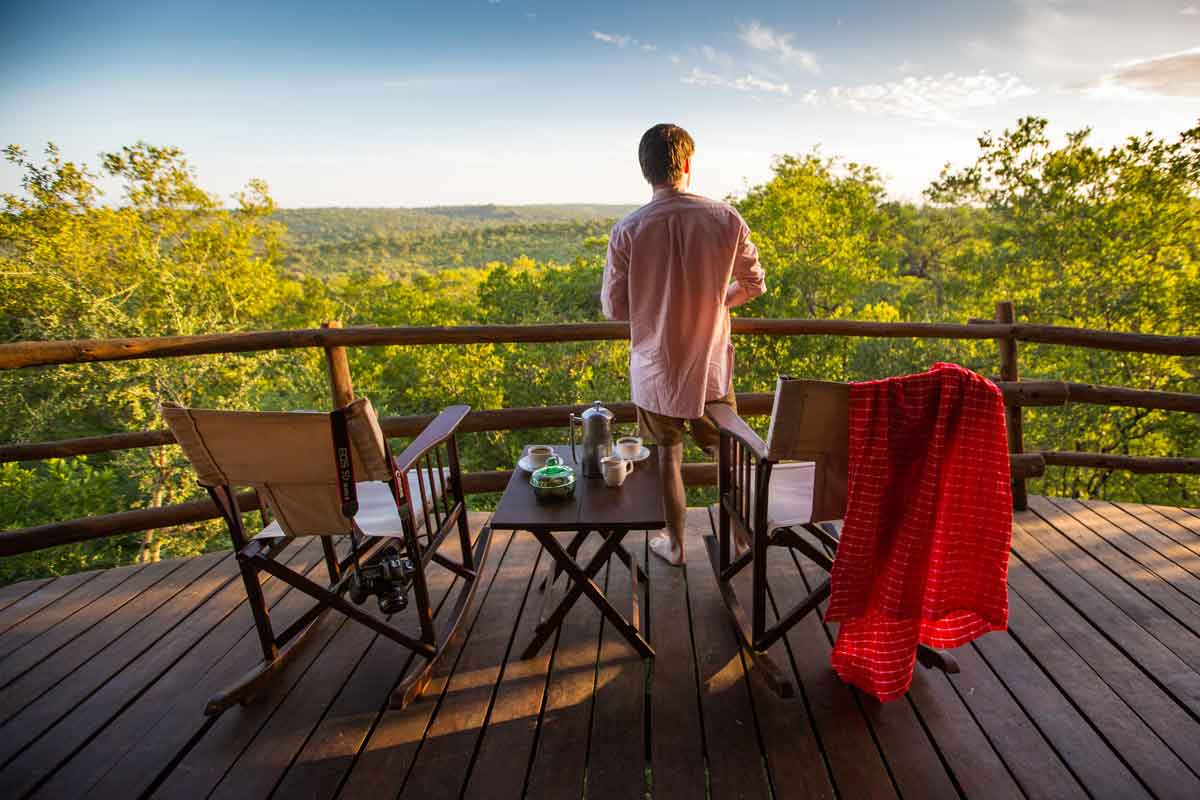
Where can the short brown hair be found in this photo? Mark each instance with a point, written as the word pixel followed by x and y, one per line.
pixel 663 151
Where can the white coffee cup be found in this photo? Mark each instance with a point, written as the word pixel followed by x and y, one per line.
pixel 538 455
pixel 629 447
pixel 615 470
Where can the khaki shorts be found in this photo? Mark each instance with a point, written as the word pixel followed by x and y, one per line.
pixel 666 431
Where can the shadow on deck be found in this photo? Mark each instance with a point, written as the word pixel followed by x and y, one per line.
pixel 1094 691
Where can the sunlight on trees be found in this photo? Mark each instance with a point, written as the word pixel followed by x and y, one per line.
pixel 1075 235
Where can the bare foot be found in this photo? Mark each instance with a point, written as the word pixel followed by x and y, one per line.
pixel 664 547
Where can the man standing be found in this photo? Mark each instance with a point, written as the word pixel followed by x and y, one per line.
pixel 675 267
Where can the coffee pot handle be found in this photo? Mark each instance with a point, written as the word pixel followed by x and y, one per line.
pixel 571 426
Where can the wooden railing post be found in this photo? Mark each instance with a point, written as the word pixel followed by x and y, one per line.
pixel 339 371
pixel 1012 413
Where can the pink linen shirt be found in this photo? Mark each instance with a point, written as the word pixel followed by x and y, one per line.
pixel 675 267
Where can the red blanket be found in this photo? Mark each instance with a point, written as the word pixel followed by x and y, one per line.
pixel 924 548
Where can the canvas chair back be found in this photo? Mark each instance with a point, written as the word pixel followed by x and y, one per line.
pixel 287 456
pixel 810 421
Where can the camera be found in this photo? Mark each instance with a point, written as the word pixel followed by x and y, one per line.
pixel 388 579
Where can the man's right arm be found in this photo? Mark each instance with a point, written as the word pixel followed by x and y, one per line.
pixel 749 278
pixel 614 290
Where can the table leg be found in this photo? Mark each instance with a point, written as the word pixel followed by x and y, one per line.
pixel 583 584
pixel 573 549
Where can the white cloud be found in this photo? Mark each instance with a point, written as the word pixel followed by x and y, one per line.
pixel 622 40
pixel 811 98
pixel 714 55
pixel 1190 11
pixel 674 58
pixel 932 98
pixel 1172 74
pixel 746 83
pixel 760 37
pixel 610 38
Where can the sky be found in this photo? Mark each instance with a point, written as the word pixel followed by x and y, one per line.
pixel 344 103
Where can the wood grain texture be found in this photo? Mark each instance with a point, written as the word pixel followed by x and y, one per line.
pixel 1092 692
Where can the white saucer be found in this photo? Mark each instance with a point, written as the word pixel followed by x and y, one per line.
pixel 526 465
pixel 642 455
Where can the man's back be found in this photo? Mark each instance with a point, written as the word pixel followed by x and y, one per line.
pixel 669 272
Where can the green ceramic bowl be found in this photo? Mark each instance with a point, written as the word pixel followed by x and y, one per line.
pixel 553 481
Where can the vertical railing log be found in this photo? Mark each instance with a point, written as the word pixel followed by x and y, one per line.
pixel 339 372
pixel 342 392
pixel 1010 372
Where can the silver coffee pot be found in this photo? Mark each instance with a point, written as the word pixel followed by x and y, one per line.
pixel 597 440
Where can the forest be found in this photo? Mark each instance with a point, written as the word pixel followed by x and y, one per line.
pixel 1072 232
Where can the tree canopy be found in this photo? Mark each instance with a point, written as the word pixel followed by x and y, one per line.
pixel 1073 233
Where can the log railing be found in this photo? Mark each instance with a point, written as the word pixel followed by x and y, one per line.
pixel 333 339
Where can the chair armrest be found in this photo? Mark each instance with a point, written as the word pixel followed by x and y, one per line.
pixel 441 428
pixel 729 422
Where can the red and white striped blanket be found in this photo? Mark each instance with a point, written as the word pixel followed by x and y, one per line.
pixel 924 548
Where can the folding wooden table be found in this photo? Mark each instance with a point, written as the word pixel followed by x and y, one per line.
pixel 595 508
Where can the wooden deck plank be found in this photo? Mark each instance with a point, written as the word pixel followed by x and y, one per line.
pixel 326 758
pixel 796 765
pixel 1166 585
pixel 735 762
pixel 1171 722
pixel 505 752
pixel 616 763
pixel 443 763
pixel 1085 753
pixel 62 612
pixel 855 762
pixel 1179 577
pixel 1126 733
pixel 13 592
pixel 35 601
pixel 389 751
pixel 1141 628
pixel 102 686
pixel 84 619
pixel 1179 516
pixel 1095 673
pixel 148 734
pixel 910 756
pixel 676 738
pixel 560 757
pixel 1168 547
pixel 1183 534
pixel 1031 760
pixel 269 756
pixel 207 757
pixel 221 745
pixel 976 767
pixel 33 683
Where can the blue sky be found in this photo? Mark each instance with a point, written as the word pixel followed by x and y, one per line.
pixel 522 101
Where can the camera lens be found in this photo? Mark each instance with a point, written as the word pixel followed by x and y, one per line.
pixel 392 600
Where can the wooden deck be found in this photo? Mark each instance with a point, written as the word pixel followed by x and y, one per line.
pixel 1095 691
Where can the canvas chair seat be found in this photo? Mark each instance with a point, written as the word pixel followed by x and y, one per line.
pixel 376 509
pixel 790 494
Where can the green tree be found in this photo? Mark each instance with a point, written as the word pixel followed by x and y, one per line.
pixel 169 259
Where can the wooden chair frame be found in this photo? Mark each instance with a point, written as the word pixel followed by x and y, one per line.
pixel 442 512
pixel 745 465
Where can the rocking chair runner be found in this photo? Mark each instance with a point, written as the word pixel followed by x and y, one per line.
pixel 801 471
pixel 333 475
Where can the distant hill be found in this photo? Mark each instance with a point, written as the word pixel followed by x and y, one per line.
pixel 326 241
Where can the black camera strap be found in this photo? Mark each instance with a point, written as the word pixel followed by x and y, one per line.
pixel 344 465
pixel 344 462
